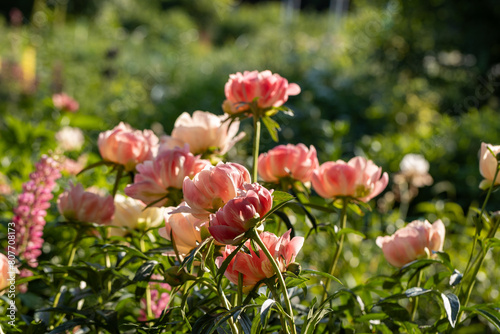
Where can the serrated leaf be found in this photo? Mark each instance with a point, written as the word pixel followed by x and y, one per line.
pixel 265 309
pixel 451 306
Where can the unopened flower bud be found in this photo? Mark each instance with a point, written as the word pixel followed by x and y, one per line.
pixel 294 268
pixel 175 276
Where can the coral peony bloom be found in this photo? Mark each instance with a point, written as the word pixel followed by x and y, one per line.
pixel 293 161
pixel 213 187
pixel 7 273
pixel 186 230
pixel 126 146
pixel 65 102
pixel 133 214
pixel 271 90
pixel 70 139
pixel 156 178
pixel 255 265
pixel 359 178
pixel 488 165
pixel 76 204
pixel 409 243
pixel 228 225
pixel 203 132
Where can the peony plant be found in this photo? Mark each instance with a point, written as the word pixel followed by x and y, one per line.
pixel 185 244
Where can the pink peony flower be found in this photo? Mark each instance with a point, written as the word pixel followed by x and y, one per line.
pixel 203 132
pixel 70 139
pixel 156 178
pixel 414 241
pixel 211 188
pixel 359 178
pixel 254 265
pixel 271 90
pixel 186 230
pixel 7 273
pixel 65 102
pixel 126 146
pixel 294 161
pixel 228 225
pixel 133 214
pixel 488 165
pixel 76 204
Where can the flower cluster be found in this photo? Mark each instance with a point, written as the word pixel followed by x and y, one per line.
pixel 30 212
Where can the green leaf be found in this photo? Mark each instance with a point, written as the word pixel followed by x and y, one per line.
pixel 350 231
pixel 395 311
pixel 265 309
pixel 451 306
pixel 455 278
pixel 493 243
pixel 272 126
pixel 493 316
pixel 416 291
pixel 280 198
pixel 145 271
pixel 320 273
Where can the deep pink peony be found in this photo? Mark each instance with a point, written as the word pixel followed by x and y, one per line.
pixel 186 230
pixel 359 178
pixel 414 241
pixel 213 187
pixel 228 225
pixel 75 204
pixel 203 131
pixel 488 165
pixel 255 266
pixel 271 90
pixel 126 146
pixel 294 161
pixel 156 178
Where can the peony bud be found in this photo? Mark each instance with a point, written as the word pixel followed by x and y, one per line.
pixel 488 164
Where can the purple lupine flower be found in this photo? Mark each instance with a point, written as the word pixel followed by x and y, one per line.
pixel 160 297
pixel 30 212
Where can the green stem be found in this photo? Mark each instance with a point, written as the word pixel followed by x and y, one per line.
pixel 239 297
pixel 119 175
pixel 258 240
pixel 149 312
pixel 415 303
pixel 340 244
pixel 70 263
pixel 256 143
pixel 470 263
pixel 227 305
pixel 481 257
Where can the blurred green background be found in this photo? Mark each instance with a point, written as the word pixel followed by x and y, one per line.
pixel 379 78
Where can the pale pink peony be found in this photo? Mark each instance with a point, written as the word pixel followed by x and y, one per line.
pixel 293 161
pixel 186 230
pixel 213 187
pixel 229 224
pixel 70 139
pixel 65 102
pixel 255 266
pixel 488 165
pixel 203 132
pixel 271 90
pixel 126 146
pixel 157 178
pixel 359 178
pixel 412 242
pixel 133 214
pixel 75 204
